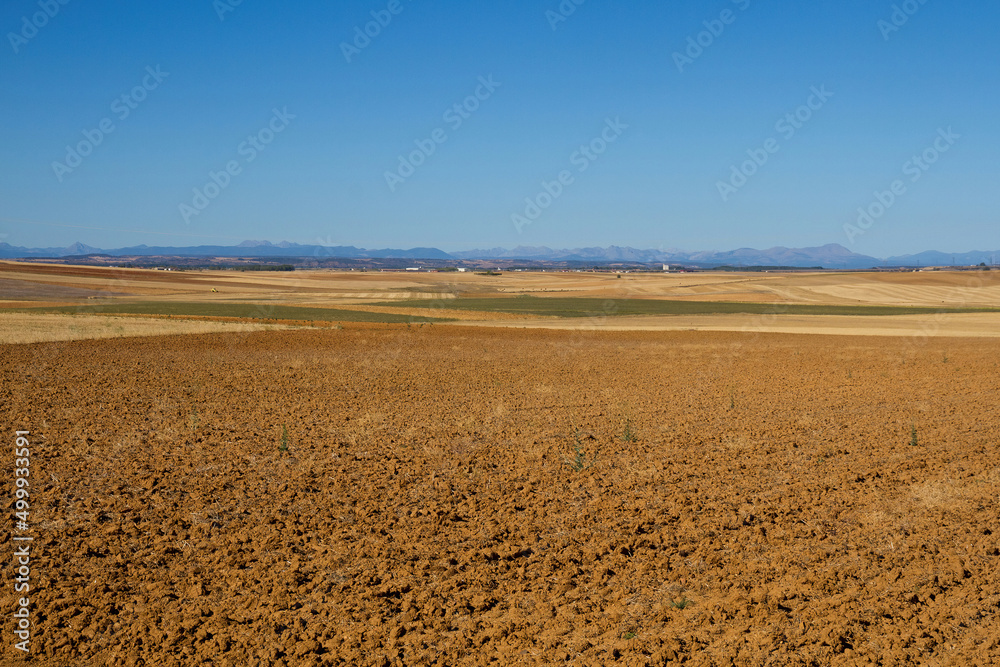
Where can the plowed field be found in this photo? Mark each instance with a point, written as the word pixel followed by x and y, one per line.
pixel 441 495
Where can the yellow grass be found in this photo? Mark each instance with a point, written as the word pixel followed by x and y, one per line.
pixel 39 328
pixel 920 327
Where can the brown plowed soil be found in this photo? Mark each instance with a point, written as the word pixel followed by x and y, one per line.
pixel 460 496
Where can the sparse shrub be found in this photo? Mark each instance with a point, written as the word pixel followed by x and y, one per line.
pixel 284 439
pixel 579 461
pixel 629 435
pixel 683 603
pixel 913 434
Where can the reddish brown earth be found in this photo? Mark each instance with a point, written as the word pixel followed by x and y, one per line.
pixel 771 511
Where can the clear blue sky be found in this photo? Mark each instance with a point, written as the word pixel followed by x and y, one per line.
pixel 672 130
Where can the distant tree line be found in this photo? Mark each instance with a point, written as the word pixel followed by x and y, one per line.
pixel 767 268
pixel 265 267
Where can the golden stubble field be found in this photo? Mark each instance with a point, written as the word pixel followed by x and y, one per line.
pixel 925 288
pixel 384 494
pixel 92 290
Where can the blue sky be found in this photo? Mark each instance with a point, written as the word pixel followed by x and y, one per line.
pixel 648 124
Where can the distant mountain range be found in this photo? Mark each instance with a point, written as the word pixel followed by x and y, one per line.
pixel 830 256
pixel 244 249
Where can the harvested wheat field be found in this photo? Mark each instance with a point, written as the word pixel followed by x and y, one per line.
pixel 37 328
pixel 444 495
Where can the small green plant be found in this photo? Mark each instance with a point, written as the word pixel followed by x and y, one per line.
pixel 683 603
pixel 913 434
pixel 194 418
pixel 628 635
pixel 629 435
pixel 944 358
pixel 732 398
pixel 284 439
pixel 850 375
pixel 579 461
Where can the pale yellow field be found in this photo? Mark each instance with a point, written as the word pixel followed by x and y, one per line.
pixel 329 288
pixel 27 285
pixel 43 328
pixel 920 327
